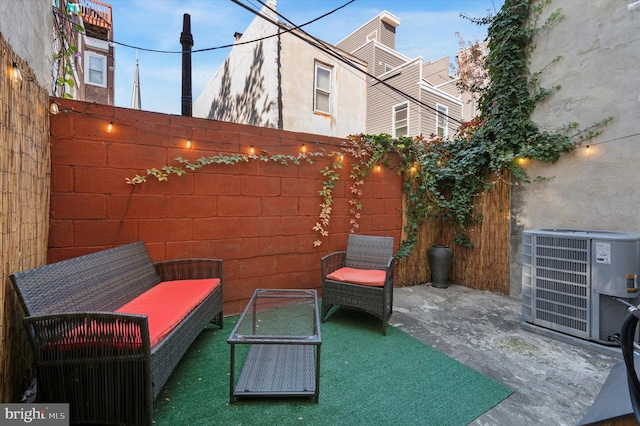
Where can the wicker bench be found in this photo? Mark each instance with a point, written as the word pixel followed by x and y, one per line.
pixel 94 344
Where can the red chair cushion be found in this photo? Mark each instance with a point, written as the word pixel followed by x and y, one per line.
pixel 370 277
pixel 167 303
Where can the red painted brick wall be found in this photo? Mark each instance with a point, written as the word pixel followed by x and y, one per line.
pixel 256 216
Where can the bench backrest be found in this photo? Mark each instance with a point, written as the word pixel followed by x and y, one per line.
pixel 101 281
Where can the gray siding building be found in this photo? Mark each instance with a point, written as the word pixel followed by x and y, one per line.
pixel 404 95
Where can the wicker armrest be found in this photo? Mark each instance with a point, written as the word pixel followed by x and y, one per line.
pixel 189 269
pixel 332 262
pixel 87 334
pixel 391 267
pixel 88 359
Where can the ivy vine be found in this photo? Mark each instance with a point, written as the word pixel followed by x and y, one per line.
pixel 163 173
pixel 330 173
pixel 442 177
pixel 332 177
pixel 66 31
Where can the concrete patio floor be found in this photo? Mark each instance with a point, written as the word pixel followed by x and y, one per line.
pixel 554 382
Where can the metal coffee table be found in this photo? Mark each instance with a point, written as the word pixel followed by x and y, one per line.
pixel 282 331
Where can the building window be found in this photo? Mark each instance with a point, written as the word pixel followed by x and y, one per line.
pixel 322 94
pixel 372 36
pixel 442 121
pixel 401 120
pixel 95 69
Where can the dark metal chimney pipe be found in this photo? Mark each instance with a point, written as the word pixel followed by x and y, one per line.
pixel 186 40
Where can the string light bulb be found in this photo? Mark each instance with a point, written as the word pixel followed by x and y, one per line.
pixel 188 143
pixel 14 73
pixel 378 168
pixel 588 149
pixel 53 108
pixel 303 148
pixel 110 127
pixel 252 150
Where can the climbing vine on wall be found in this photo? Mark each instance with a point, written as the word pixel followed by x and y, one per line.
pixel 65 47
pixel 443 177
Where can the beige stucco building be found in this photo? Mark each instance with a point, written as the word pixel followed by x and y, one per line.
pixel 595 186
pixel 27 26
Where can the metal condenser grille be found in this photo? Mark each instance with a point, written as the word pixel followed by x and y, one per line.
pixel 559 284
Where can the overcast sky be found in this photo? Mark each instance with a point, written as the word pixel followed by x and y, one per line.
pixel 427 28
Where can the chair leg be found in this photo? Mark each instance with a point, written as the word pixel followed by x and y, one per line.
pixel 385 320
pixel 325 311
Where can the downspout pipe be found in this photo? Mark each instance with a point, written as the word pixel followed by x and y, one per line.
pixel 186 40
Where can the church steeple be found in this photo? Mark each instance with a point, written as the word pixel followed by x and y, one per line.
pixel 136 101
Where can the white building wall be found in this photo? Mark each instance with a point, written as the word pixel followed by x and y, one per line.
pixel 348 92
pixel 27 25
pixel 282 89
pixel 598 73
pixel 256 61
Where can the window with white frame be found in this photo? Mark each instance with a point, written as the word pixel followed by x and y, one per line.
pixel 372 36
pixel 401 120
pixel 322 92
pixel 95 70
pixel 442 121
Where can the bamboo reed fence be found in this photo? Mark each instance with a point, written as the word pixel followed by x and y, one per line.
pixel 24 208
pixel 483 267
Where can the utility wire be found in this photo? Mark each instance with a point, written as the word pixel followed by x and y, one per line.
pixel 92 33
pixel 378 81
pixel 319 44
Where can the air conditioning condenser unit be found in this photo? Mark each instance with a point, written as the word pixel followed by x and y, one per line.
pixel 575 281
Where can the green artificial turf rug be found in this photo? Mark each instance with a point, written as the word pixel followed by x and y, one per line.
pixel 365 378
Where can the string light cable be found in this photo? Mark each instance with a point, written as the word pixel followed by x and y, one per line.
pixel 613 140
pixel 318 145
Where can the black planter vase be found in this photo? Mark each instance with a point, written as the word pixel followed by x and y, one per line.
pixel 440 262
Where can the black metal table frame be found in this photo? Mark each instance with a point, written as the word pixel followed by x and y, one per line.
pixel 283 348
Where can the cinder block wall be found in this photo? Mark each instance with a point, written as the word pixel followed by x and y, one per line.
pixel 256 216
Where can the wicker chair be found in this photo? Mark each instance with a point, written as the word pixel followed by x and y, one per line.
pixel 360 277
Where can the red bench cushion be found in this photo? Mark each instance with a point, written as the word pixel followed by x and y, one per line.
pixel 167 303
pixel 371 277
